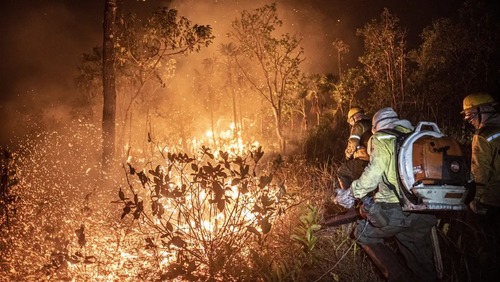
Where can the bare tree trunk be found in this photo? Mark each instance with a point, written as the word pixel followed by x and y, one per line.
pixel 109 91
pixel 402 73
pixel 279 129
pixel 212 128
pixel 237 126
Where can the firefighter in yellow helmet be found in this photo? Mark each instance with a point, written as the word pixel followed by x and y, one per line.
pixel 356 154
pixel 480 110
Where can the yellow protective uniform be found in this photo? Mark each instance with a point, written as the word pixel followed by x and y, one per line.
pixel 356 145
pixel 485 164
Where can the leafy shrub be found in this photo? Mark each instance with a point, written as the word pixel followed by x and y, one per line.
pixel 205 214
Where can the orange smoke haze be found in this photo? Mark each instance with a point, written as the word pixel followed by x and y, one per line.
pixel 43 41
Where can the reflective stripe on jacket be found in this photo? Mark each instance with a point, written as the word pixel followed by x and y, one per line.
pixel 485 164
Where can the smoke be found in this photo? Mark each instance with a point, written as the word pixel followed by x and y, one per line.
pixel 308 20
pixel 40 49
pixel 318 23
pixel 43 41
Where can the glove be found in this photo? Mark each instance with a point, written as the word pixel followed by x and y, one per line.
pixel 344 198
pixel 476 207
pixel 348 154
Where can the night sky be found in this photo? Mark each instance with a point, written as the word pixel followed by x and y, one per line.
pixel 42 40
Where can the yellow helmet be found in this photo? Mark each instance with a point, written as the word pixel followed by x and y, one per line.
pixel 353 111
pixel 477 99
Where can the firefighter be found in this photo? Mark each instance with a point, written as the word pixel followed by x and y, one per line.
pixel 356 154
pixel 479 109
pixel 385 218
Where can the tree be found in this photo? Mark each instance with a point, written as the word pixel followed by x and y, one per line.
pixel 209 82
pixel 353 87
pixel 341 47
pixel 384 60
pixel 145 59
pixel 228 52
pixel 108 82
pixel 147 51
pixel 317 91
pixel 275 74
pixel 457 56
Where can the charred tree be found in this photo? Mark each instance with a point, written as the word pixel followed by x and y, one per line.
pixel 108 80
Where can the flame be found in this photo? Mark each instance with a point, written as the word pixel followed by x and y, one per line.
pixel 228 139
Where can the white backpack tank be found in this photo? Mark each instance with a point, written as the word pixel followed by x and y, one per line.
pixel 432 170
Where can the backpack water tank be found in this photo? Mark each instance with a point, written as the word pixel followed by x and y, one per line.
pixel 432 170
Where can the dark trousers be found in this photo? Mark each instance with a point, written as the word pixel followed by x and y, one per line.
pixel 412 232
pixel 350 171
pixel 484 248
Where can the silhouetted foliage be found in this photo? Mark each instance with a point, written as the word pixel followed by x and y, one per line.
pixel 146 52
pixel 458 56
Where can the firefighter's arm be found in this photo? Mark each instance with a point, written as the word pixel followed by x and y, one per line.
pixel 372 175
pixel 353 141
pixel 352 144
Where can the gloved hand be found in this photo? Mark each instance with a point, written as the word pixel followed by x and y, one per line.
pixel 348 154
pixel 476 207
pixel 344 198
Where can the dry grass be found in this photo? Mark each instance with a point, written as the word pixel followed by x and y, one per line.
pixel 42 244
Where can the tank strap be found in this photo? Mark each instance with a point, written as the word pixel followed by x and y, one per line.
pixel 393 188
pixel 400 137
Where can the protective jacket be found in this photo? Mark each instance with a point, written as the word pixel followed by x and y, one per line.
pixel 485 163
pixel 385 218
pixel 358 140
pixel 381 172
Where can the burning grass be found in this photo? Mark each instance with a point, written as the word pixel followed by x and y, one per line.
pixel 210 216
